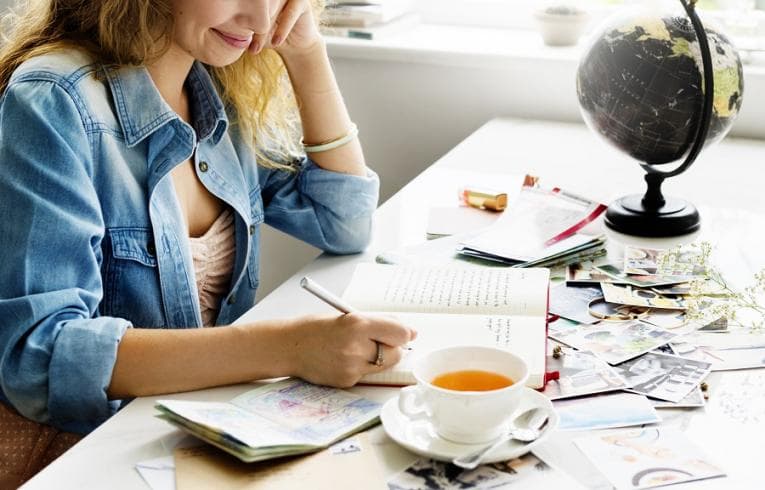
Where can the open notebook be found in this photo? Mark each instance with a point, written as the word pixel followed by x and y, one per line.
pixel 451 306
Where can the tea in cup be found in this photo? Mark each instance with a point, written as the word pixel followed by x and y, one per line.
pixel 467 393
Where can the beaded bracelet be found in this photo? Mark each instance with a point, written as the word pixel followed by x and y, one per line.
pixel 332 144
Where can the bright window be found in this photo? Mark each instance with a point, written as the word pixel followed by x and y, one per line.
pixel 742 20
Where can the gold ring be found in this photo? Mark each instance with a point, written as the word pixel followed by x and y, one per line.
pixel 379 360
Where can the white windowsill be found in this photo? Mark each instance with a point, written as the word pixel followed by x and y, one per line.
pixel 473 47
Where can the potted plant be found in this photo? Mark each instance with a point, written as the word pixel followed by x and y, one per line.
pixel 561 24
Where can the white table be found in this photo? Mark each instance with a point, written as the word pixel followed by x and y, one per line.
pixel 725 184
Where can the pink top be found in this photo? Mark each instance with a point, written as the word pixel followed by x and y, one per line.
pixel 213 254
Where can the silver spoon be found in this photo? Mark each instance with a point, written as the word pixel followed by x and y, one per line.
pixel 526 427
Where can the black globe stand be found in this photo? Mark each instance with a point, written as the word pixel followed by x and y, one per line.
pixel 653 215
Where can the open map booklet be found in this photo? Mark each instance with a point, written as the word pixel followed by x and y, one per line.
pixel 276 419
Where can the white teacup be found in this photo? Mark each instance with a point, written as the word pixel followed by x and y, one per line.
pixel 466 417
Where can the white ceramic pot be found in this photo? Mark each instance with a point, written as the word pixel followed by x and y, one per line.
pixel 561 29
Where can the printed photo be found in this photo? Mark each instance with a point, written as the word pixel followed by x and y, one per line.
pixel 640 281
pixel 605 411
pixel 724 351
pixel 647 458
pixel 641 260
pixel 615 342
pixel 638 260
pixel 663 376
pixel 581 373
pixel 573 302
pixel 585 274
pixel 627 295
pixel 528 472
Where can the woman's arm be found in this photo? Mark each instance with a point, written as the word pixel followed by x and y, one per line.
pixel 328 350
pixel 323 113
pixel 322 110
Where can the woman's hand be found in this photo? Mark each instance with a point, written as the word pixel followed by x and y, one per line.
pixel 339 350
pixel 293 29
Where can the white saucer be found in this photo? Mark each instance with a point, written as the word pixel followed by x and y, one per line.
pixel 419 436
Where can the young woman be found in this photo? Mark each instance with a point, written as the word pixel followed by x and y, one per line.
pixel 142 144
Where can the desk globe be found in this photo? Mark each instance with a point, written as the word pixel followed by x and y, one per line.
pixel 641 86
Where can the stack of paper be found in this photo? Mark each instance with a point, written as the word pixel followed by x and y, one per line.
pixel 541 229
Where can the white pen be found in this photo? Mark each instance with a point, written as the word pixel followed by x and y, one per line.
pixel 309 285
pixel 324 295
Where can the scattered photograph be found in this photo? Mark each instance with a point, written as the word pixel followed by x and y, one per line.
pixel 724 351
pixel 614 312
pixel 528 471
pixel 561 326
pixel 638 260
pixel 627 295
pixel 681 289
pixel 723 359
pixel 720 325
pixel 581 373
pixel 669 320
pixel 694 399
pixel 605 411
pixel 615 342
pixel 585 274
pixel 640 281
pixel 663 376
pixel 572 302
pixel 641 260
pixel 647 458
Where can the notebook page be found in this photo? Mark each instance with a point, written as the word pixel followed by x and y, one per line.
pixel 448 290
pixel 522 335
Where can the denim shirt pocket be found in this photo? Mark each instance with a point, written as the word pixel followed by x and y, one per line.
pixel 131 278
pixel 257 217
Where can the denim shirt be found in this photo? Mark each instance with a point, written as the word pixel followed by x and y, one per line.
pixel 92 236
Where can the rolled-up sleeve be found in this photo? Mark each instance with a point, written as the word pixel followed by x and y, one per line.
pixel 330 210
pixel 56 353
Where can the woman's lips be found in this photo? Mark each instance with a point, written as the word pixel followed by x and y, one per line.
pixel 239 42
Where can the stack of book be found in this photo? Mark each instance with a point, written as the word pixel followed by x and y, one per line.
pixel 368 19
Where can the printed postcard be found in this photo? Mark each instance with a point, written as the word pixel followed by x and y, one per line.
pixel 581 373
pixel 724 351
pixel 640 281
pixel 615 342
pixel 573 302
pixel 605 411
pixel 627 295
pixel 663 376
pixel 647 458
pixel 528 472
pixel 638 260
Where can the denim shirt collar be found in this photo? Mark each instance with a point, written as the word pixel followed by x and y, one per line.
pixel 141 110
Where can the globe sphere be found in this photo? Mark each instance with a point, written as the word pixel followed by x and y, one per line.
pixel 640 84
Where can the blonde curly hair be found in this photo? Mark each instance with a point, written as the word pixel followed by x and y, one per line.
pixel 135 32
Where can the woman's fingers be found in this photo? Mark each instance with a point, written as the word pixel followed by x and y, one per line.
pixel 286 20
pixel 389 356
pixel 261 27
pixel 390 331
